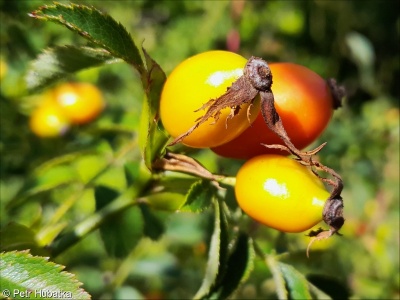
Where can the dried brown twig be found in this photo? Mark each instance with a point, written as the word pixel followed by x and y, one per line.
pixel 184 164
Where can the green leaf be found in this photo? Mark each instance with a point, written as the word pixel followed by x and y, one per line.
pixel 108 212
pixel 131 171
pixel 153 138
pixel 97 27
pixel 128 292
pixel 361 49
pixel 47 234
pixel 54 177
pixel 321 260
pixel 57 63
pixel 239 265
pixel 90 167
pixel 217 255
pixel 105 32
pixel 122 231
pixel 45 180
pixel 153 84
pixel 296 283
pixel 136 173
pixel 277 275
pixel 104 195
pixel 15 236
pixel 153 226
pixel 168 193
pixel 319 294
pixel 167 201
pixel 37 277
pixel 199 196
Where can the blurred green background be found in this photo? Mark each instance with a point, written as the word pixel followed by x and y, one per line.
pixel 356 42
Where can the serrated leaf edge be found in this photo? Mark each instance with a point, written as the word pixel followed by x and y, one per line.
pixel 195 185
pixel 214 249
pixel 38 14
pixel 46 260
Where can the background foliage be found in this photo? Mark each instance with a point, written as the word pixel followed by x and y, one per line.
pixel 357 44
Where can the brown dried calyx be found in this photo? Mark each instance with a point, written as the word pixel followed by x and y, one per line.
pixel 333 216
pixel 338 92
pixel 257 79
pixel 185 164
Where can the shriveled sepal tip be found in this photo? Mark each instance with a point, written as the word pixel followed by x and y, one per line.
pixel 257 77
pixel 333 216
pixel 338 92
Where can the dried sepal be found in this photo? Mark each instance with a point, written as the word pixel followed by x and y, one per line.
pixel 185 164
pixel 338 92
pixel 333 216
pixel 240 92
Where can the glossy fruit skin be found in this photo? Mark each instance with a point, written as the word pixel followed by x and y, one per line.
pixel 280 193
pixel 81 102
pixel 304 103
pixel 48 120
pixel 192 84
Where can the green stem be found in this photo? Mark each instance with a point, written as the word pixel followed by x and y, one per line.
pixel 93 222
pixel 231 181
pixel 66 205
pixel 124 269
pixel 125 200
